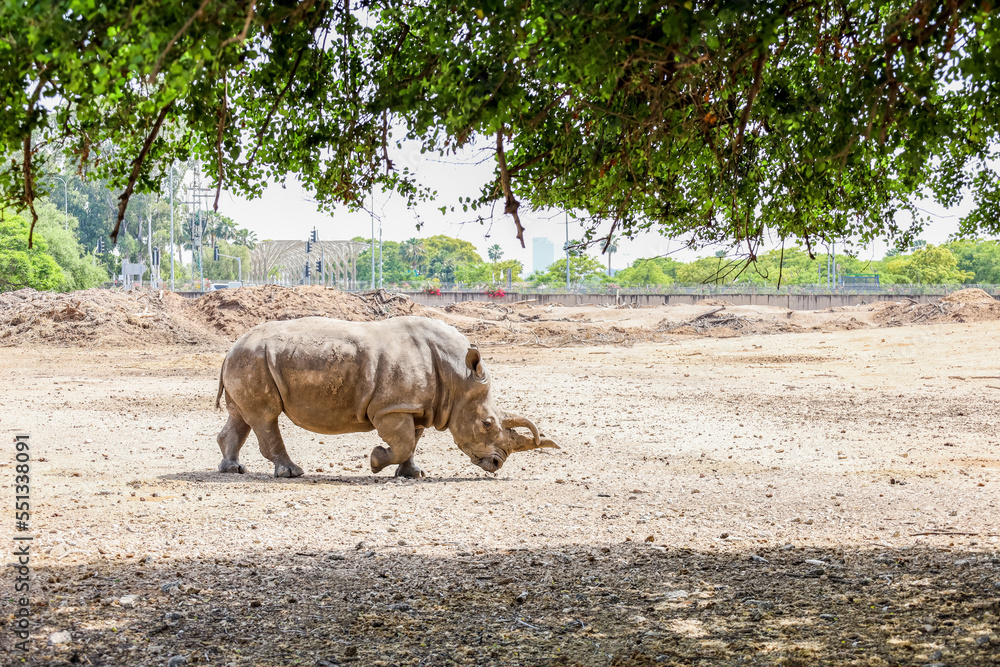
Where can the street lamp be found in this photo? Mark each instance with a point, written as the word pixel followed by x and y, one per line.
pixel 65 202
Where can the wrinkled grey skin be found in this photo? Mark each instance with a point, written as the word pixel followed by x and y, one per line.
pixel 397 376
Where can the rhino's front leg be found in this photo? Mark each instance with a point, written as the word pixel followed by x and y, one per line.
pixel 398 431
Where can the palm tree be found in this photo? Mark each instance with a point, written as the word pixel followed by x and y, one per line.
pixel 246 238
pixel 612 248
pixel 413 251
pixel 495 252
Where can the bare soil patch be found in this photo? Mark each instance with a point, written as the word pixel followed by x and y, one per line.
pixel 827 497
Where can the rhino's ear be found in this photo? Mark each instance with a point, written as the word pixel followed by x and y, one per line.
pixel 474 361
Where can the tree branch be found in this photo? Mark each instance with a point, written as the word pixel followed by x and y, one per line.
pixel 173 40
pixel 758 68
pixel 242 35
pixel 29 188
pixel 511 204
pixel 274 107
pixel 137 168
pixel 218 139
pixel 29 179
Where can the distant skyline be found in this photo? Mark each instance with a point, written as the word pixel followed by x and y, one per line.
pixel 290 212
pixel 543 252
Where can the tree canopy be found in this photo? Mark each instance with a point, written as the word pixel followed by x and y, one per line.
pixel 719 121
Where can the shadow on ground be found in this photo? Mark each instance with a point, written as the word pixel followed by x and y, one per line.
pixel 628 605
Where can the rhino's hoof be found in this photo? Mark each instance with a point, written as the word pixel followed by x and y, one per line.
pixel 377 459
pixel 287 471
pixel 409 469
pixel 232 466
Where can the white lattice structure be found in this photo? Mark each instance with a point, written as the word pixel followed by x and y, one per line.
pixel 283 263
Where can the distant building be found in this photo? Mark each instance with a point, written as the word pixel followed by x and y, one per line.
pixel 542 253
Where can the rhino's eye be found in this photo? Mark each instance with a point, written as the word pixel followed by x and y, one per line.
pixel 487 424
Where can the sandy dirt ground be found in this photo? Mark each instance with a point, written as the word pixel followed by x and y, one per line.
pixel 824 494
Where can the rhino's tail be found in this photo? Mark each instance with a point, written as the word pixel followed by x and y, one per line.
pixel 222 388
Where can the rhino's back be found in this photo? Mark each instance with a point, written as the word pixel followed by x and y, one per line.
pixel 334 376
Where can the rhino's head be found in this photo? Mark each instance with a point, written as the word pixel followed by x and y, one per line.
pixel 483 431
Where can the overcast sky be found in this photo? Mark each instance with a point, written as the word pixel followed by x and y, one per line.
pixel 289 213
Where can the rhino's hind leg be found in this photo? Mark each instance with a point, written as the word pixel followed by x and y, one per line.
pixel 398 431
pixel 273 449
pixel 231 439
pixel 409 469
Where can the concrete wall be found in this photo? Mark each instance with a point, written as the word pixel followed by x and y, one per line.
pixel 787 301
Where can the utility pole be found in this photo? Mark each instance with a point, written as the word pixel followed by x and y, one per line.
pixel 171 227
pixel 373 238
pixel 65 202
pixel 149 245
pixel 833 260
pixel 567 251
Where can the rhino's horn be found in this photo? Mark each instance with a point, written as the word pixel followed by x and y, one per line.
pixel 520 443
pixel 510 421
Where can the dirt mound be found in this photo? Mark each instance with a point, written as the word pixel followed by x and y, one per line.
pixel 970 296
pixel 971 305
pixel 714 302
pixel 727 325
pixel 136 318
pixel 104 317
pixel 486 309
pixel 232 312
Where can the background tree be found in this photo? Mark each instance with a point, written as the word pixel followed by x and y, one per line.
pixel 929 265
pixel 21 266
pixel 582 268
pixel 226 268
pixel 980 258
pixel 80 268
pixel 643 272
pixel 413 252
pixel 394 268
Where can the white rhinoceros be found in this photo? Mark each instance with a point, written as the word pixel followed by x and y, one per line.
pixel 398 376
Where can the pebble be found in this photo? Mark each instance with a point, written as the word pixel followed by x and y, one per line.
pixel 983 640
pixel 763 605
pixel 172 616
pixel 61 637
pixel 936 655
pixel 400 606
pixel 827 617
pixel 758 559
pixel 177 661
pixel 165 588
pixel 521 597
pixel 128 601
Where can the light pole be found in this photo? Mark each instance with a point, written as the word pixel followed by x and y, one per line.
pixel 65 202
pixel 239 265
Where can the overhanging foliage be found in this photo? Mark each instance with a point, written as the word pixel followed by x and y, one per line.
pixel 717 121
